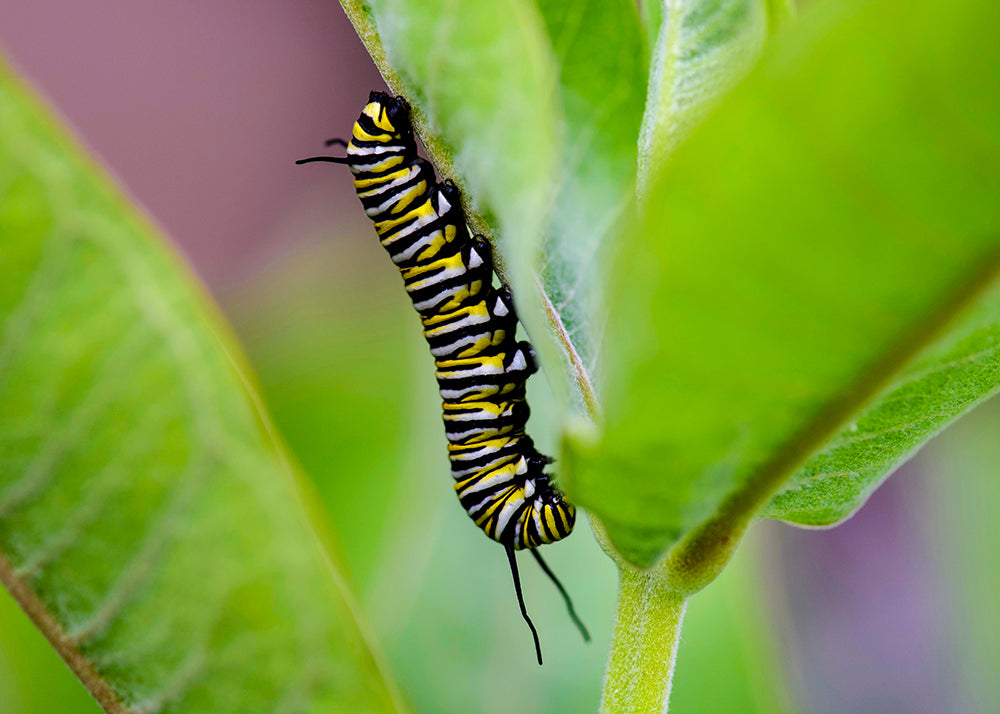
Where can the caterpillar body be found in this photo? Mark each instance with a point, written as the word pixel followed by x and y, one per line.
pixel 470 327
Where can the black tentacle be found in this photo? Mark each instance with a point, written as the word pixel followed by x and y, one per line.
pixel 520 600
pixel 569 603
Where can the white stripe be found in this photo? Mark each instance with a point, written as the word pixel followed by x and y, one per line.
pixel 494 432
pixel 508 511
pixel 484 451
pixel 416 225
pixel 456 394
pixel 372 192
pixel 454 346
pixel 537 514
pixel 478 412
pixel 385 205
pixel 368 167
pixel 446 274
pixel 424 242
pixel 497 478
pixel 459 475
pixel 467 321
pixel 356 150
pixel 481 371
pixel 431 302
pixel 471 455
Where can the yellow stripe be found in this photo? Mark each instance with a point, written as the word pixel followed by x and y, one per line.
pixel 383 165
pixel 362 135
pixel 495 410
pixel 493 360
pixel 477 310
pixel 376 181
pixel 497 444
pixel 422 211
pixel 433 248
pixel 409 196
pixel 451 262
pixel 375 111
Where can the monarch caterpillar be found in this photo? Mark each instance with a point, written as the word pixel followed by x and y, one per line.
pixel 470 327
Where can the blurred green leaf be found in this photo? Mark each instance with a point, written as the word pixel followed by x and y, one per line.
pixel 729 628
pixel 825 225
pixel 961 492
pixel 337 348
pixel 149 520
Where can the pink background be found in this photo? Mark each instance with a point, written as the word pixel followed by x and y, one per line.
pixel 201 108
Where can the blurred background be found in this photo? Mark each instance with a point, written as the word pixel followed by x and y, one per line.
pixel 200 110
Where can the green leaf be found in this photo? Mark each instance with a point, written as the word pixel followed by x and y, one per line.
pixel 33 680
pixel 599 50
pixel 955 374
pixel 960 492
pixel 150 522
pixel 701 48
pixel 831 220
pixel 481 79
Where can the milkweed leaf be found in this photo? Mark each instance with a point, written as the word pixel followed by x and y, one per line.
pixel 834 220
pixel 150 523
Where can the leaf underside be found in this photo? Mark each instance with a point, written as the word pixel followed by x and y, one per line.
pixel 955 374
pixel 600 53
pixel 701 48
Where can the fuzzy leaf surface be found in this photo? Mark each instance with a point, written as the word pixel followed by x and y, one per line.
pixel 600 52
pixel 700 49
pixel 149 521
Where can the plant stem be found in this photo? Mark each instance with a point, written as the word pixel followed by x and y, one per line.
pixel 644 646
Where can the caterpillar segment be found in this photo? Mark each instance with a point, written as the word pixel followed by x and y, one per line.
pixel 470 327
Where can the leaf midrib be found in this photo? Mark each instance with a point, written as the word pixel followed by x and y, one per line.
pixel 705 550
pixel 60 641
pixel 656 119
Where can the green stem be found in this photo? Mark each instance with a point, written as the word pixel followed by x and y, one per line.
pixel 644 647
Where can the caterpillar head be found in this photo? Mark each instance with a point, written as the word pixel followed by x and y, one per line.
pixel 550 517
pixel 390 113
